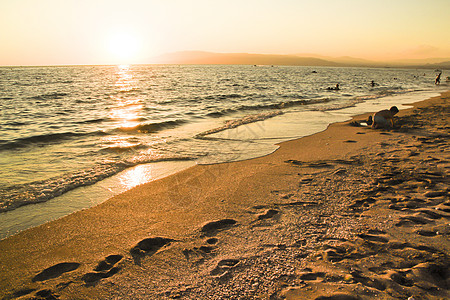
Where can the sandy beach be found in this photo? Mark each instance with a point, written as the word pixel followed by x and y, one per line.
pixel 348 213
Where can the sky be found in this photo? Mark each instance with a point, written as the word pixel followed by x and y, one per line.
pixel 67 32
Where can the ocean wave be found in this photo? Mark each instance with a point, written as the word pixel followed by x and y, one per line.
pixel 125 148
pixel 151 127
pixel 49 96
pixel 92 121
pixel 245 120
pixel 225 96
pixel 267 106
pixel 43 139
pixel 380 93
pixel 16 123
pixel 286 104
pixel 221 112
pixel 12 197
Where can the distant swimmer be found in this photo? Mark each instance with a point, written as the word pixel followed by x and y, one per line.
pixel 373 83
pixel 438 78
pixel 336 88
pixel 384 118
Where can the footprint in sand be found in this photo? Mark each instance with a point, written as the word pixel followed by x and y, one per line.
pixel 401 278
pixel 268 214
pixel 46 294
pixel 431 275
pixel 105 268
pixel 214 226
pixel 22 292
pixel 56 271
pixel 200 253
pixel 336 253
pixel 93 277
pixel 367 281
pixel 212 241
pixel 149 246
pixel 412 220
pixel 222 271
pixel 108 262
pixel 427 233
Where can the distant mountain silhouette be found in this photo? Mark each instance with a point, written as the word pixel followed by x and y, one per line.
pixel 442 65
pixel 200 57
pixel 343 60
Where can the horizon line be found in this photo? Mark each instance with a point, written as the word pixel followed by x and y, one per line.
pixel 342 61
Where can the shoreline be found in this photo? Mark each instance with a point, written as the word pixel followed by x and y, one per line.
pixel 32 215
pixel 253 199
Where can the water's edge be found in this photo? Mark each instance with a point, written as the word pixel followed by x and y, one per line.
pixel 271 131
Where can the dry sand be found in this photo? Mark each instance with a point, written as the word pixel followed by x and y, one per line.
pixel 348 213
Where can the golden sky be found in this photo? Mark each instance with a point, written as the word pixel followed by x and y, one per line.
pixel 48 32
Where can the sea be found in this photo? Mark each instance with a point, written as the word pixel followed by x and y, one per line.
pixel 72 137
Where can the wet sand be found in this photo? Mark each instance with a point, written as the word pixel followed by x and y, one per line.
pixel 348 213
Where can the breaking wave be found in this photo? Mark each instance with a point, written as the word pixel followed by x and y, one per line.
pixel 245 120
pixel 152 127
pixel 44 139
pixel 15 196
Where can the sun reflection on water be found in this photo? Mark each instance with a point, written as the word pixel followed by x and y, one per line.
pixel 125 82
pixel 126 109
pixel 136 176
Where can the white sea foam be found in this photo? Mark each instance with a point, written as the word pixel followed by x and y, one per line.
pixel 241 121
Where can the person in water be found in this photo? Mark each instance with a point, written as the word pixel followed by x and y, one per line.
pixel 384 118
pixel 335 88
pixel 438 79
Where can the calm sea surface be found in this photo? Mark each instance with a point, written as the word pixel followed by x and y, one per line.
pixel 62 128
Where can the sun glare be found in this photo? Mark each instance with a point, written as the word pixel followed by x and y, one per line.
pixel 123 47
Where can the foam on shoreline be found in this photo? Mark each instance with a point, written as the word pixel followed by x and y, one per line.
pixel 262 132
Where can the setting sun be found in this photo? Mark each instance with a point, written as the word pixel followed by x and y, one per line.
pixel 123 46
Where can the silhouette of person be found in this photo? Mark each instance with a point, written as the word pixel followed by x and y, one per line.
pixel 384 118
pixel 438 79
pixel 334 88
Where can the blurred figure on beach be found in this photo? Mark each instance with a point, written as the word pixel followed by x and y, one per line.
pixel 384 118
pixel 336 88
pixel 438 78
